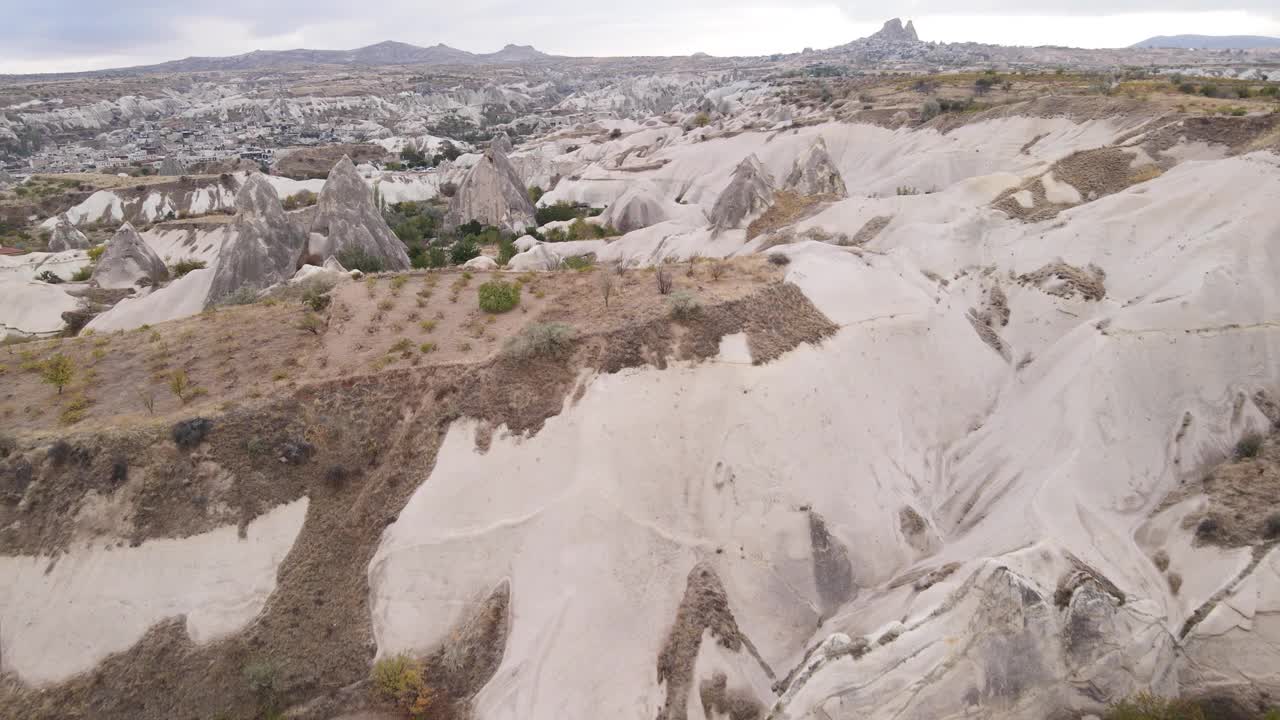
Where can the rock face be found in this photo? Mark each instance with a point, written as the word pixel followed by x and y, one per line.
pixel 265 247
pixel 634 209
pixel 749 193
pixel 492 194
pixel 893 31
pixel 346 219
pixel 66 236
pixel 129 262
pixel 815 174
pixel 502 142
pixel 171 167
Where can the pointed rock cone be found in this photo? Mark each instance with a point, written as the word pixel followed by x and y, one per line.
pixel 128 262
pixel 264 245
pixel 66 236
pixel 748 194
pixel 492 194
pixel 815 174
pixel 347 221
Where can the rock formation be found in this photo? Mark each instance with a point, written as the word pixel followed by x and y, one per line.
pixel 502 142
pixel 815 174
pixel 346 219
pixel 749 193
pixel 171 167
pixel 129 262
pixel 66 236
pixel 894 32
pixel 634 209
pixel 264 247
pixel 492 194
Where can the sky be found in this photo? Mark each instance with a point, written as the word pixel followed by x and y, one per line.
pixel 71 35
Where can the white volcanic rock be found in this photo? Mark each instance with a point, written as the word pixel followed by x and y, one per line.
pixel 66 236
pixel 265 246
pixel 492 194
pixel 894 32
pixel 636 208
pixel 502 143
pixel 482 263
pixel 347 219
pixel 525 242
pixel 129 262
pixel 749 193
pixel 815 174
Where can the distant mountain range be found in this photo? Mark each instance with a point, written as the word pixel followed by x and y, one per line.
pixel 1209 42
pixel 384 53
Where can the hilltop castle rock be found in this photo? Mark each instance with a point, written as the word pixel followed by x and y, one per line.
pixel 893 31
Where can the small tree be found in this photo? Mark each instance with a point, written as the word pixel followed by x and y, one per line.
pixel 179 385
pixel 664 281
pixel 606 282
pixel 148 399
pixel 58 371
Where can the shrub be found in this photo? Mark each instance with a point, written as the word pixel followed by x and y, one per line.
pixel 299 200
pixel 1145 706
pixel 506 250
pixel 1160 560
pixel 558 212
pixel 190 433
pixel 577 262
pixel 48 276
pixel 57 371
pixel 930 109
pixel 1207 528
pixel 701 120
pixel 75 410
pixel 186 265
pixel 540 339
pixel 606 283
pixel 315 296
pixel 449 189
pixel 684 305
pixel 1249 446
pixel 615 133
pixel 718 269
pixel 242 296
pixel 437 257
pixel 354 258
pixel 780 259
pixel 95 252
pixel 398 681
pixel 664 280
pixel 1271 528
pixel 535 194
pixel 180 386
pixel 499 297
pixel 83 274
pixel 312 323
pixel 462 251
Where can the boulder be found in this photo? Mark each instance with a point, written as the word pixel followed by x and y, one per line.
pixel 66 236
pixel 128 262
pixel 748 194
pixel 493 194
pixel 537 259
pixel 483 262
pixel 264 247
pixel 636 208
pixel 815 174
pixel 502 142
pixel 347 219
pixel 525 242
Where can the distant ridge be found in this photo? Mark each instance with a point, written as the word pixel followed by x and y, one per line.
pixel 383 53
pixel 1209 42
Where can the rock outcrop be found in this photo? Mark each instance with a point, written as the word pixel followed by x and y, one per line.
pixel 502 142
pixel 749 193
pixel 492 194
pixel 264 247
pixel 66 236
pixel 893 31
pixel 171 167
pixel 347 220
pixel 815 174
pixel 129 262
pixel 634 209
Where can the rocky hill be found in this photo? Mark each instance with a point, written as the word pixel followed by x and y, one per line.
pixel 1209 42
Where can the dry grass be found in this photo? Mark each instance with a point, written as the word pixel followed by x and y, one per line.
pixel 787 208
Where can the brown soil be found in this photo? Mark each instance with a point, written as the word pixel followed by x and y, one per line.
pixel 1063 280
pixel 1244 494
pixel 357 447
pixel 316 162
pixel 1094 173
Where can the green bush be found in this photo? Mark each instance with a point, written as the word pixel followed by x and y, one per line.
pixel 577 262
pixel 535 194
pixel 1248 446
pixel 499 297
pixel 684 305
pixel 540 339
pixel 437 257
pixel 506 250
pixel 95 252
pixel 462 251
pixel 83 274
pixel 559 212
pixel 1145 706
pixel 398 681
pixel 186 265
pixel 299 200
pixel 354 258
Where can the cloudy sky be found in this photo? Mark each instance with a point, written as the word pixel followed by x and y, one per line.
pixel 66 35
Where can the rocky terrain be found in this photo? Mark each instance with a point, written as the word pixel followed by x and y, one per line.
pixel 752 392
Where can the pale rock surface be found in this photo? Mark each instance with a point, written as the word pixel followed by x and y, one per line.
pixel 181 298
pixel 749 193
pixel 815 174
pixel 637 207
pixel 28 307
pixel 264 248
pixel 493 194
pixel 525 242
pixel 60 619
pixel 482 263
pixel 346 218
pixel 66 236
pixel 502 142
pixel 128 260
